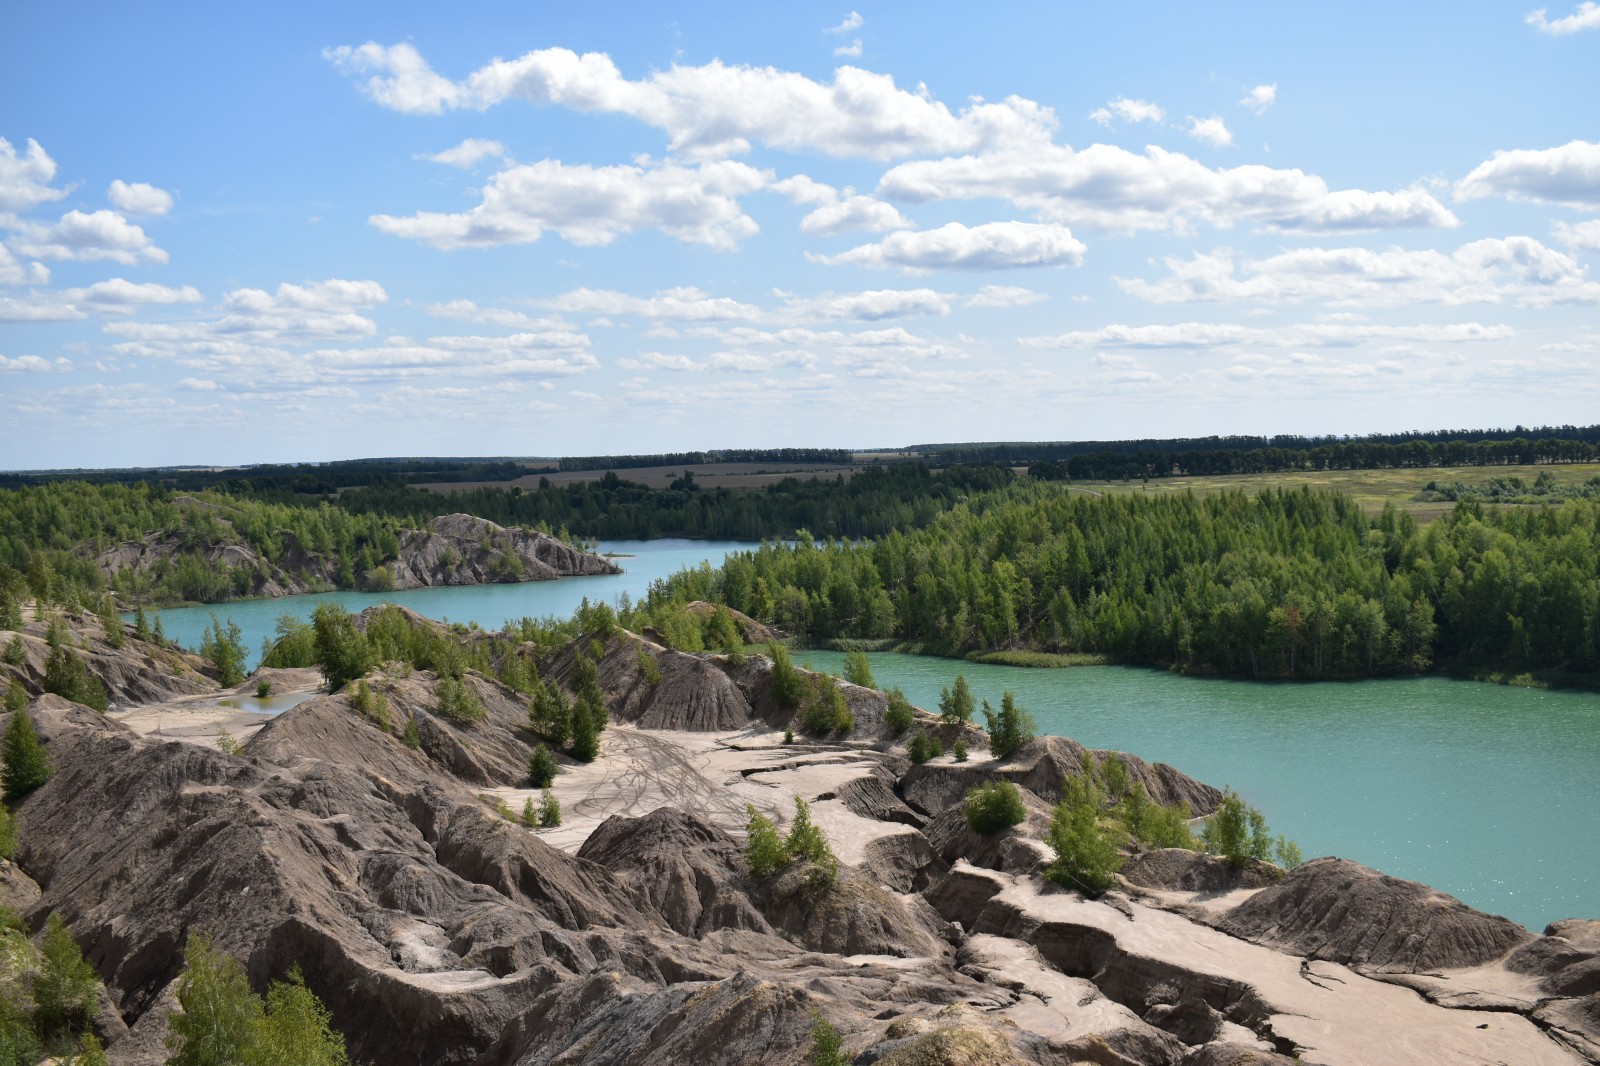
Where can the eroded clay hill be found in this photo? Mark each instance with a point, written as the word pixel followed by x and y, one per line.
pixel 440 932
pixel 457 549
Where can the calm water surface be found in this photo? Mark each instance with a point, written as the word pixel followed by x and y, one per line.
pixel 488 605
pixel 1489 793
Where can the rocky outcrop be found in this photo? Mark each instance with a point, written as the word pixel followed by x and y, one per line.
pixel 693 874
pixel 460 549
pixel 1176 869
pixel 752 631
pixel 1040 767
pixel 1018 849
pixel 457 549
pixel 1342 911
pixel 439 932
pixel 136 673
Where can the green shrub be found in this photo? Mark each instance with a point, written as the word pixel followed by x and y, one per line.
pixel 899 717
pixel 8 833
pixel 542 768
pixel 807 843
pixel 923 747
pixel 530 817
pixel 725 636
pixel 1237 831
pixel 1115 777
pixel 297 1029
pixel 959 750
pixel 295 646
pixel 549 810
pixel 763 849
pixel 16 695
pixel 263 689
pixel 458 703
pixel 994 806
pixel 1087 858
pixel 858 671
pixel 825 709
pixel 223 649
pixel 827 1046
pixel 220 1014
pixel 341 649
pixel 411 737
pixel 16 654
pixel 1152 824
pixel 1010 729
pixel 1288 853
pixel 649 669
pixel 66 675
pixel 787 687
pixel 955 704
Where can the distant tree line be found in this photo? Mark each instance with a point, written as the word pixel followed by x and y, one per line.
pixel 869 504
pixel 722 455
pixel 1021 453
pixel 1360 455
pixel 1278 585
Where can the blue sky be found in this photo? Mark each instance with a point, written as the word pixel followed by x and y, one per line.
pixel 306 232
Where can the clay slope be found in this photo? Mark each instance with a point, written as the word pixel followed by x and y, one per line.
pixel 136 673
pixel 456 549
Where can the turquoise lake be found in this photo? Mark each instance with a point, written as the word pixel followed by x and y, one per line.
pixel 1485 792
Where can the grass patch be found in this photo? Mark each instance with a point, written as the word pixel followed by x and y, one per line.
pixel 1038 659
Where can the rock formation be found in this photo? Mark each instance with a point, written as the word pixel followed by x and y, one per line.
pixel 456 549
pixel 438 931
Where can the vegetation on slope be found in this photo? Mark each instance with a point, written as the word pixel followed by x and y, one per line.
pixel 1278 585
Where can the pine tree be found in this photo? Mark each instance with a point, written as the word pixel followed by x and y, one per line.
pixel 27 763
pixel 549 810
pixel 542 768
pixel 1010 729
pixel 955 704
pixel 65 986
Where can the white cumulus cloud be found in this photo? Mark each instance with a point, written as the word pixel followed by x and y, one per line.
pixel 1111 188
pixel 685 304
pixel 954 246
pixel 14 272
pixel 708 111
pixel 468 154
pixel 25 177
pixel 839 212
pixel 1579 236
pixel 1004 296
pixel 1128 111
pixel 1568 175
pixel 87 237
pixel 1212 130
pixel 1200 336
pixel 849 51
pixel 1260 98
pixel 594 205
pixel 32 364
pixel 138 198
pixel 852 21
pixel 1516 270
pixel 1585 17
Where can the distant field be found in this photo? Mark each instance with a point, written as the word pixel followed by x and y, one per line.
pixel 706 475
pixel 1371 488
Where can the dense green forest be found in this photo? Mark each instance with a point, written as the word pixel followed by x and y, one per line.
pixel 1022 453
pixel 869 504
pixel 1353 455
pixel 1280 585
pixel 52 534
